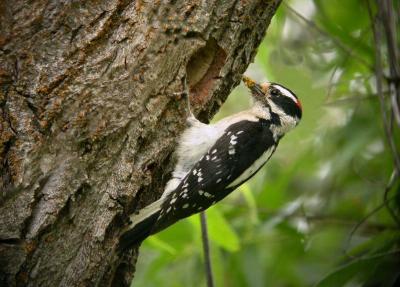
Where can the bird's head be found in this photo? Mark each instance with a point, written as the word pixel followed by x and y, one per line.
pixel 278 99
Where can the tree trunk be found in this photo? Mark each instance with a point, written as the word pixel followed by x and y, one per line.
pixel 89 119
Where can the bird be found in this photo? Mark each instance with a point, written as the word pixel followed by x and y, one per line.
pixel 215 159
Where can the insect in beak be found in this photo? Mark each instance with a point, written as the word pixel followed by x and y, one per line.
pixel 258 91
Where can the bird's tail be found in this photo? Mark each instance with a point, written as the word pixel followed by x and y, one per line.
pixel 141 226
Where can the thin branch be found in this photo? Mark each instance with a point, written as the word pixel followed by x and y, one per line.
pixel 386 10
pixel 385 203
pixel 373 256
pixel 389 186
pixel 334 39
pixel 206 250
pixel 369 228
pixel 325 219
pixel 379 86
pixel 331 85
pixel 359 224
pixel 345 100
pixel 346 59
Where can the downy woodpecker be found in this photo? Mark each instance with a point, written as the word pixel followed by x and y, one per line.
pixel 215 159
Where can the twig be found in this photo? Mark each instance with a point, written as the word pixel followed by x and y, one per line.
pixel 389 186
pixel 379 86
pixel 388 23
pixel 334 39
pixel 358 225
pixel 206 250
pixel 387 18
pixel 370 228
pixel 330 83
pixel 374 256
pixel 385 203
pixel 345 100
pixel 346 59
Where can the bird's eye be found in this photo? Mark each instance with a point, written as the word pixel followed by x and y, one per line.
pixel 274 92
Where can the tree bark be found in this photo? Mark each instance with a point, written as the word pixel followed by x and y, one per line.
pixel 89 118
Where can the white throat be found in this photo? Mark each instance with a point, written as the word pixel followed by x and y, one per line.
pixel 287 122
pixel 260 110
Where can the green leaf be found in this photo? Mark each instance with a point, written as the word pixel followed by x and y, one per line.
pixel 381 242
pixel 349 271
pixel 219 229
pixel 161 245
pixel 251 202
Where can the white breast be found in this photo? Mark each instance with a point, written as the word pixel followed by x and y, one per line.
pixel 199 138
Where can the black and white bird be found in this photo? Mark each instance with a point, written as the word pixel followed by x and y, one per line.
pixel 215 159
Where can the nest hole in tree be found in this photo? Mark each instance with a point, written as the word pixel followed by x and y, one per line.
pixel 203 70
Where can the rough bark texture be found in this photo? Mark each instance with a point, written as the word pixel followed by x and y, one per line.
pixel 88 120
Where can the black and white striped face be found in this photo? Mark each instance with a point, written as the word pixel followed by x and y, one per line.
pixel 285 100
pixel 281 100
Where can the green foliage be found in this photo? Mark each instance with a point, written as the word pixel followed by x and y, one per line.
pixel 315 214
pixel 220 232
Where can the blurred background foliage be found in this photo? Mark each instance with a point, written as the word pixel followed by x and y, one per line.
pixel 325 210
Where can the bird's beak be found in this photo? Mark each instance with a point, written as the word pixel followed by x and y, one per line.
pixel 258 91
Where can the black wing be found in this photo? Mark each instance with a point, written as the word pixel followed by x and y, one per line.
pixel 229 163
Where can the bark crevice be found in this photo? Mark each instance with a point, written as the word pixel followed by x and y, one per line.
pixel 89 120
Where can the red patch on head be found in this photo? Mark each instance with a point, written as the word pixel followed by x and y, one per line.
pixel 298 103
